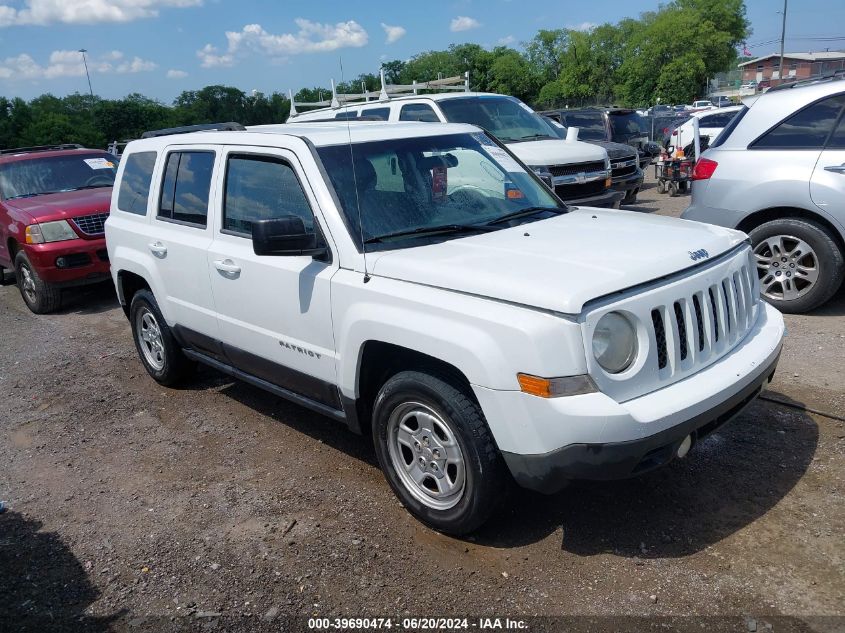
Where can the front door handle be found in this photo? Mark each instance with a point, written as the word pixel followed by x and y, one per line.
pixel 227 266
pixel 158 249
pixel 836 169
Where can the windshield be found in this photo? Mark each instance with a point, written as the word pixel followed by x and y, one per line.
pixel 626 126
pixel 508 119
pixel 54 174
pixel 590 126
pixel 415 184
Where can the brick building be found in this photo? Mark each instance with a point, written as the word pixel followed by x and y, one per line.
pixel 796 65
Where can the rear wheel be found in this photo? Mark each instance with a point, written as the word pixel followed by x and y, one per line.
pixel 38 295
pixel 799 264
pixel 437 452
pixel 160 353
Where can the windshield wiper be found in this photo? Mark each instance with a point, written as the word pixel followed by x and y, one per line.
pixel 526 212
pixel 423 231
pixel 22 195
pixel 88 187
pixel 534 136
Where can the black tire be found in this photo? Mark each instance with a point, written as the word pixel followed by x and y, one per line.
pixel 673 189
pixel 831 265
pixel 38 295
pixel 631 198
pixel 485 477
pixel 174 367
pixel 661 186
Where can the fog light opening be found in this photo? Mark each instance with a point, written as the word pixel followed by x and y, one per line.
pixel 683 449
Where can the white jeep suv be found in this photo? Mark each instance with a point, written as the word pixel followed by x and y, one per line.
pixel 420 284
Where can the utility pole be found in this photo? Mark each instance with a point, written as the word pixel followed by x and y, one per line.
pixel 85 62
pixel 782 38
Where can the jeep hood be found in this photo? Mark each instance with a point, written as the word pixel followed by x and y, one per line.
pixel 63 205
pixel 561 263
pixel 556 152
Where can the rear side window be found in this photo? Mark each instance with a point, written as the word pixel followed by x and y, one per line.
pixel 134 192
pixel 837 141
pixel 377 113
pixel 186 185
pixel 347 114
pixel 418 112
pixel 806 129
pixel 262 188
pixel 716 120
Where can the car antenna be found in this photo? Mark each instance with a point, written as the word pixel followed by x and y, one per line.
pixel 354 175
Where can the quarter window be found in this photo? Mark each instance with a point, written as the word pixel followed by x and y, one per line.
pixel 377 113
pixel 837 141
pixel 262 188
pixel 418 112
pixel 134 192
pixel 806 129
pixel 186 186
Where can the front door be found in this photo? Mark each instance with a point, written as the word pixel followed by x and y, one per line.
pixel 274 312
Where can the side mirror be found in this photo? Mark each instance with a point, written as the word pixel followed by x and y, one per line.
pixel 285 236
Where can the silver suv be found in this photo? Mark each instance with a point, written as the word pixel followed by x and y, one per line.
pixel 777 172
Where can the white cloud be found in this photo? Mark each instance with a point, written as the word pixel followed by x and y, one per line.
pixel 463 23
pixel 312 37
pixel 506 41
pixel 210 57
pixel 69 64
pixel 41 12
pixel 394 33
pixel 176 74
pixel 584 26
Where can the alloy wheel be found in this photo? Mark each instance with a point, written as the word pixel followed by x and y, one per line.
pixel 426 455
pixel 149 338
pixel 787 267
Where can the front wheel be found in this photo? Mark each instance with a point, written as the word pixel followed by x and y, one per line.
pixel 799 264
pixel 437 453
pixel 38 295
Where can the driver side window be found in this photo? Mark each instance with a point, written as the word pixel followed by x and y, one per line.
pixel 261 188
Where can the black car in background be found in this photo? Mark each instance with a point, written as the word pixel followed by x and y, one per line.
pixel 625 160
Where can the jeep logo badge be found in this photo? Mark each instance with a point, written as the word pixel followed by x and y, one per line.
pixel 699 254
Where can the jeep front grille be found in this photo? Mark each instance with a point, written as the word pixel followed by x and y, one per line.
pixel 704 322
pixel 91 224
pixel 688 321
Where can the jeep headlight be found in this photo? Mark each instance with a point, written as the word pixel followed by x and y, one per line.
pixel 57 231
pixel 614 342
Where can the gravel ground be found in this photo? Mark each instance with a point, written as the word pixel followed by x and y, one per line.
pixel 132 506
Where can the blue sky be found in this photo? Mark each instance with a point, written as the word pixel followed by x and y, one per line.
pixel 161 47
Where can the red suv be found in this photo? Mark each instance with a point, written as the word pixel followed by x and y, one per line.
pixel 54 201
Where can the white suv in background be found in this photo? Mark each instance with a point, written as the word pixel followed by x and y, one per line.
pixel 418 283
pixel 777 172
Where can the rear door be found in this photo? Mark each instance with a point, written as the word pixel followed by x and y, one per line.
pixel 180 236
pixel 827 187
pixel 274 312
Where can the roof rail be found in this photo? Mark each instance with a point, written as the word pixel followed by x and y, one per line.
pixel 40 148
pixel 354 119
pixel 202 127
pixel 459 82
pixel 809 81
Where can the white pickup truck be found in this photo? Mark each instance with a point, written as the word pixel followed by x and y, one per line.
pixel 579 172
pixel 421 285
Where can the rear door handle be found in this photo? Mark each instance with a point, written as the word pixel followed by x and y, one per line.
pixel 158 249
pixel 836 169
pixel 227 266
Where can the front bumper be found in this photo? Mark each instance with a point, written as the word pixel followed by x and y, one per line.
pixel 629 184
pixel 547 442
pixel 609 199
pixel 84 261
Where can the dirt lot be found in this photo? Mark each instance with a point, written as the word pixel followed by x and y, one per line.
pixel 128 501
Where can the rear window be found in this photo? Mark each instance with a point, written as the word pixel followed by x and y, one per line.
pixel 134 192
pixel 376 113
pixel 590 125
